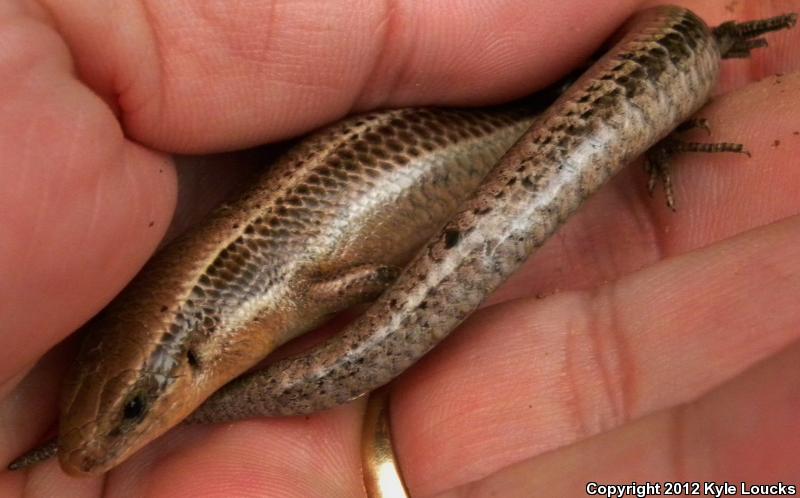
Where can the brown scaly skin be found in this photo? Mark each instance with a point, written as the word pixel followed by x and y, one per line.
pixel 660 73
pixel 326 228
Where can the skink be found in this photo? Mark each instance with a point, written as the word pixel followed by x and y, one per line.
pixel 334 222
pixel 326 228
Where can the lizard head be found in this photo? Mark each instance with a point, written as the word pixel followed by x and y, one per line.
pixel 151 358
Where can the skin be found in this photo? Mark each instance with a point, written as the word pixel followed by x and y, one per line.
pixel 658 338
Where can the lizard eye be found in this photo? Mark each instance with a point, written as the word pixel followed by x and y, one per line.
pixel 134 408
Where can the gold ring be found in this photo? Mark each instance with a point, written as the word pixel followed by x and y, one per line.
pixel 382 477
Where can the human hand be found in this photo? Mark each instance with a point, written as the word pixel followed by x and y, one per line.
pixel 654 310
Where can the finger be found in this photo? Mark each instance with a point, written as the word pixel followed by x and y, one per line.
pixel 623 229
pixel 745 431
pixel 83 207
pixel 268 70
pixel 529 376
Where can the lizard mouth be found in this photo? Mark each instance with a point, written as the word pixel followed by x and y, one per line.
pixel 89 450
pixel 88 460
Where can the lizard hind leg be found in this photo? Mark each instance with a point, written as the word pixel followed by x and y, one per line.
pixel 350 286
pixel 735 40
pixel 657 159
